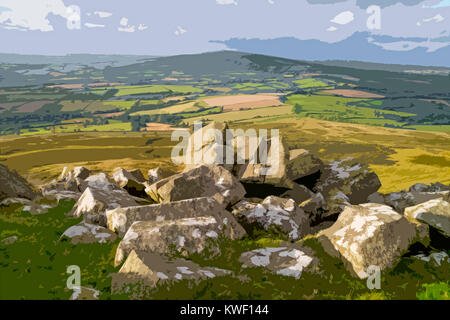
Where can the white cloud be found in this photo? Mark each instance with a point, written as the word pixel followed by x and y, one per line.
pixel 271 2
pixel 180 31
pixel 344 18
pixel 142 27
pixel 103 14
pixel 32 15
pixel 124 21
pixel 93 25
pixel 127 29
pixel 436 18
pixel 332 28
pixel 226 2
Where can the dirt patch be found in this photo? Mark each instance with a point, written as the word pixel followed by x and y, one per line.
pixel 32 106
pixel 111 115
pixel 68 86
pixel 9 105
pixel 349 93
pixel 153 126
pixel 239 102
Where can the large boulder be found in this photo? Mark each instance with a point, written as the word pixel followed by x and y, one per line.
pixel 435 213
pixel 403 199
pixel 346 181
pixel 145 270
pixel 12 185
pixel 120 219
pixel 187 236
pixel 132 181
pixel 205 148
pixel 433 187
pixel 298 193
pixel 274 214
pixel 94 202
pixel 202 181
pixel 314 207
pixel 285 261
pixel 302 164
pixel 89 233
pixel 70 183
pixel 369 234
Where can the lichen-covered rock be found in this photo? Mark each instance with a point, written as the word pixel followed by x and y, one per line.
pixel 369 234
pixel 94 202
pixel 275 214
pixel 435 213
pixel 285 261
pixel 89 233
pixel 120 219
pixel 70 184
pixel 437 258
pixel 35 207
pixel 402 200
pixel 145 270
pixel 346 181
pixel 188 235
pixel 9 240
pixel 202 181
pixel 12 185
pixel 99 181
pixel 433 187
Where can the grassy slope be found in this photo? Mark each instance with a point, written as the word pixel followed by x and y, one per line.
pixel 34 267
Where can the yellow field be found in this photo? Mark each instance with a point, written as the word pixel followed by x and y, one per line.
pixel 399 157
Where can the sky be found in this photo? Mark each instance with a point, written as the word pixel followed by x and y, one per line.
pixel 169 27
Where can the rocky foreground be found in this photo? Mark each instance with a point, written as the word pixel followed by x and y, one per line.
pixel 158 217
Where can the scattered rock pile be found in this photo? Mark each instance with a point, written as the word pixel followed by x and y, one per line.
pixel 336 203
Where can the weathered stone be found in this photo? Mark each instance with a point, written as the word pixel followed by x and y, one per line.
pixel 301 164
pixel 369 234
pixel 99 181
pixel 9 240
pixel 154 175
pixel 436 257
pixel 12 185
pixel 132 181
pixel 435 213
pixel 285 261
pixel 94 202
pixel 85 293
pixel 298 193
pixel 401 200
pixel 120 219
pixel 274 214
pixel 345 182
pixel 188 235
pixel 314 207
pixel 433 187
pixel 145 270
pixel 89 233
pixel 202 181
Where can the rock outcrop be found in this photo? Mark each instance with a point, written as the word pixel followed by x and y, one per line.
pixel 12 185
pixel 94 202
pixel 274 214
pixel 435 213
pixel 285 261
pixel 145 270
pixel 187 236
pixel 89 233
pixel 369 234
pixel 132 181
pixel 202 181
pixel 120 219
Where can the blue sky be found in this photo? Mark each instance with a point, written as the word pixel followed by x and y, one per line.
pixel 167 27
